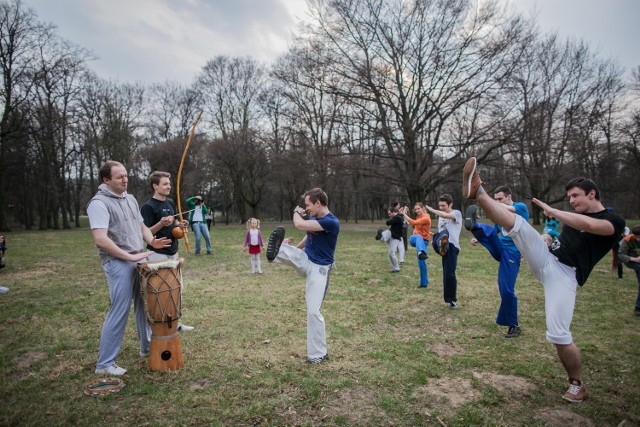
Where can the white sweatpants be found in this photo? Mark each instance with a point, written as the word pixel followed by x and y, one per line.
pixel 558 280
pixel 317 284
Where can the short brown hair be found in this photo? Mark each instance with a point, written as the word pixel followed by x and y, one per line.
pixel 156 177
pixel 447 198
pixel 317 195
pixel 585 184
pixel 503 189
pixel 105 169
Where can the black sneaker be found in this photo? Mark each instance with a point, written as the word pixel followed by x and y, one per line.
pixel 275 240
pixel 471 217
pixel 513 332
pixel 379 234
pixel 422 255
pixel 453 305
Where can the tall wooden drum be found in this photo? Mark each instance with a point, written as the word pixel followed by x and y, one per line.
pixel 160 284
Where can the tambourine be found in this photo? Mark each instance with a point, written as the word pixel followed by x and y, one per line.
pixel 103 387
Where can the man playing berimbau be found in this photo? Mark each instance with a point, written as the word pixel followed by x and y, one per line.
pixel 159 214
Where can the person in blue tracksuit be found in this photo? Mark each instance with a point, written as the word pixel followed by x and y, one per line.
pixel 503 250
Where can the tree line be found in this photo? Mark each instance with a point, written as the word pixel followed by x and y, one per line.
pixel 375 101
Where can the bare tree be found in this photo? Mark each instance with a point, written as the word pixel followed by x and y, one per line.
pixel 241 161
pixel 313 110
pixel 57 86
pixel 112 123
pixel 172 107
pixel 230 88
pixel 567 100
pixel 426 73
pixel 21 37
pixel 289 166
pixel 630 153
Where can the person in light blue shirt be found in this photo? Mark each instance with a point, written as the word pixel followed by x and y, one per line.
pixel 502 249
pixel 551 225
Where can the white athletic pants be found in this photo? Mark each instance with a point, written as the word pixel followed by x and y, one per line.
pixel 558 280
pixel 317 281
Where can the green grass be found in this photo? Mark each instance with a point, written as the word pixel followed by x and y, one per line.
pixel 399 355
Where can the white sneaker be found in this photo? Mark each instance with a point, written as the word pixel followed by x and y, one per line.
pixel 182 327
pixel 144 353
pixel 113 370
pixel 3 290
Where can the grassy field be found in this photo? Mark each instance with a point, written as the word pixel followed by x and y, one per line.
pixel 399 355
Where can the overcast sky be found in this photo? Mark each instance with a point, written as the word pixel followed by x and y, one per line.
pixel 157 40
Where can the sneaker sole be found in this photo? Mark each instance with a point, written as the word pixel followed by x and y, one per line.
pixel 275 240
pixel 470 217
pixel 572 400
pixel 443 245
pixel 105 372
pixel 467 176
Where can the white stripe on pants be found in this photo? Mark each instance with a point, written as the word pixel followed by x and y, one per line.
pixel 317 281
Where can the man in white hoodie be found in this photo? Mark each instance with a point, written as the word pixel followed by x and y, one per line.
pixel 119 232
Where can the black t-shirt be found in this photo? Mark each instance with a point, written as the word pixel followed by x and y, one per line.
pixel 583 250
pixel 152 212
pixel 396 223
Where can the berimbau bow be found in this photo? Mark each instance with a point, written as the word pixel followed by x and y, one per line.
pixel 184 156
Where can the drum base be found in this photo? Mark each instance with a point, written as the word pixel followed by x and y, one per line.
pixel 165 353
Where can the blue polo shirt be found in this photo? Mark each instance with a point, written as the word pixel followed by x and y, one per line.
pixel 321 245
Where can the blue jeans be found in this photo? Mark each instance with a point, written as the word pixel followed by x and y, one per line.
pixel 449 265
pixel 200 230
pixel 509 266
pixel 421 245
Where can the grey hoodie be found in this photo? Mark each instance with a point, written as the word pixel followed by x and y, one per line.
pixel 124 221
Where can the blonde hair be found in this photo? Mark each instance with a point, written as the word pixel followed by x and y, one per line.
pixel 249 223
